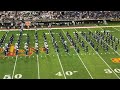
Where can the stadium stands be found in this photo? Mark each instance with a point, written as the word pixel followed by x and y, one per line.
pixel 59 15
pixel 13 18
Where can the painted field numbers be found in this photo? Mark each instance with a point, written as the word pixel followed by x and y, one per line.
pixel 109 71
pixel 17 76
pixel 68 73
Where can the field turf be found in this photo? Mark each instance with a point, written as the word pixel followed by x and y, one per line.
pixel 62 65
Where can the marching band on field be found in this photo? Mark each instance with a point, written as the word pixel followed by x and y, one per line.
pixel 98 39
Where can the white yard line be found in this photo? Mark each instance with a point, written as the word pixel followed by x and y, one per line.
pixel 60 62
pixel 37 62
pixel 80 59
pixel 116 29
pixel 61 66
pixel 101 58
pixel 38 67
pixel 14 67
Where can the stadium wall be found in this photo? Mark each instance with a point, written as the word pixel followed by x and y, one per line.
pixel 64 23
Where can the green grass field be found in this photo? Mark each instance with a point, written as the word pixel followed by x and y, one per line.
pixel 83 65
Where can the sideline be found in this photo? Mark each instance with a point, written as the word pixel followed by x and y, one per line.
pixel 58 28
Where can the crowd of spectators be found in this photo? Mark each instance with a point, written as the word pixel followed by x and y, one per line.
pixel 57 15
pixel 10 19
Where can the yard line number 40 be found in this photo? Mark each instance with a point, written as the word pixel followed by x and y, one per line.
pixel 68 73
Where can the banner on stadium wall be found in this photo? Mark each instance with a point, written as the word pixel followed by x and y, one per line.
pixel 116 19
pixel 28 24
